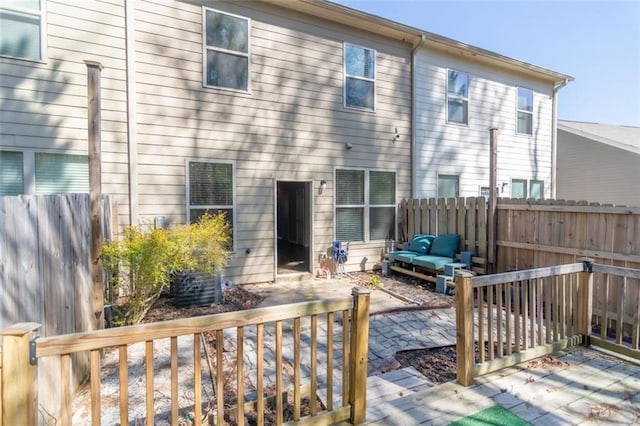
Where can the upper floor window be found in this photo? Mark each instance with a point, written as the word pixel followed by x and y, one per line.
pixel 22 29
pixel 365 205
pixel 210 189
pixel 518 188
pixel 359 77
pixel 457 97
pixel 525 111
pixel 226 50
pixel 536 189
pixel 448 186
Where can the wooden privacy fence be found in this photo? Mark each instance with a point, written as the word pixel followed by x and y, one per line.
pixel 508 318
pixel 19 376
pixel 464 216
pixel 45 270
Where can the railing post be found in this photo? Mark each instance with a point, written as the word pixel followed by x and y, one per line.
pixel 359 354
pixel 464 328
pixel 19 388
pixel 585 299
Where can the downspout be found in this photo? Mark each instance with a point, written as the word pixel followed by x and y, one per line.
pixel 414 125
pixel 554 134
pixel 132 131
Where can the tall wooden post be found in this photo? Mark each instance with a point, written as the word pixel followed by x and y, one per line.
pixel 585 299
pixel 19 380
pixel 359 355
pixel 465 352
pixel 94 70
pixel 493 199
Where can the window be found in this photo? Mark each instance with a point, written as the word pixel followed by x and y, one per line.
pixel 359 71
pixel 536 189
pixel 525 111
pixel 518 188
pixel 457 97
pixel 22 29
pixel 11 174
pixel 210 189
pixel 61 173
pixel 365 205
pixel 226 50
pixel 448 186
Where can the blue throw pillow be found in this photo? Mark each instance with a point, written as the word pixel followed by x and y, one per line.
pixel 445 245
pixel 420 243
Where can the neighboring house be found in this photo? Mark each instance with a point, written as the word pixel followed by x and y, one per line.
pixel 599 163
pixel 462 92
pixel 295 118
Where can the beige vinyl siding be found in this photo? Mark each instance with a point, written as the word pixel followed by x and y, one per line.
pixel 594 171
pixel 454 149
pixel 43 105
pixel 290 126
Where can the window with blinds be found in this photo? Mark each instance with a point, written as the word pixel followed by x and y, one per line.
pixel 210 190
pixel 61 173
pixel 365 205
pixel 11 174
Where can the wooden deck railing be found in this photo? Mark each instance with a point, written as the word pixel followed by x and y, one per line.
pixel 19 376
pixel 504 319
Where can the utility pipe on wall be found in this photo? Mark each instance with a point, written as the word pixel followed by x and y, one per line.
pixel 554 135
pixel 414 126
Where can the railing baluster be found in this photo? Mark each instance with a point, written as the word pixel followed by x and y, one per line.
pixel 278 372
pixel 219 376
pixel 605 306
pixel 330 361
pixel 346 338
pixel 517 300
pixel 539 308
pixel 548 298
pixel 490 341
pixel 123 375
pixel 508 312
pixel 260 373
pixel 314 368
pixel 95 387
pixel 524 300
pixel 532 312
pixel 240 375
pixel 480 308
pixel 635 334
pixel 499 316
pixel 622 292
pixel 563 302
pixel 65 389
pixel 174 381
pixel 197 379
pixel 296 369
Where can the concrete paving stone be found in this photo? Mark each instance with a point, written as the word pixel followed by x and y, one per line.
pixel 558 418
pixel 528 412
pixel 507 399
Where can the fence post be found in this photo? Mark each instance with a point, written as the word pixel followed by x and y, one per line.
pixel 585 299
pixel 464 328
pixel 19 377
pixel 359 354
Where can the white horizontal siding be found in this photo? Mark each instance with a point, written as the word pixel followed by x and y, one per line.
pixel 292 124
pixel 463 150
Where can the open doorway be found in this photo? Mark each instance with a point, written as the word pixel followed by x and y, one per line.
pixel 293 227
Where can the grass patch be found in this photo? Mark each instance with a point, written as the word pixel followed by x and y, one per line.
pixel 496 415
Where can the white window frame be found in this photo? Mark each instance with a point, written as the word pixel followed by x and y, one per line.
pixel 438 177
pixel 462 98
pixel 206 48
pixel 42 16
pixel 541 182
pixel 518 110
pixel 29 166
pixel 189 206
pixel 366 206
pixel 346 76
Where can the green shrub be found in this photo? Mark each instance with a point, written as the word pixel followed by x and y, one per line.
pixel 140 263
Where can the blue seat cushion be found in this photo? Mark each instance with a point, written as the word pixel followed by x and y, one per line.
pixel 432 262
pixel 404 256
pixel 445 245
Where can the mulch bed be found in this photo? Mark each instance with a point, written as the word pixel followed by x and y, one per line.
pixel 437 364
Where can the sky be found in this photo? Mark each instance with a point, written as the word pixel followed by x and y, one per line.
pixel 596 42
